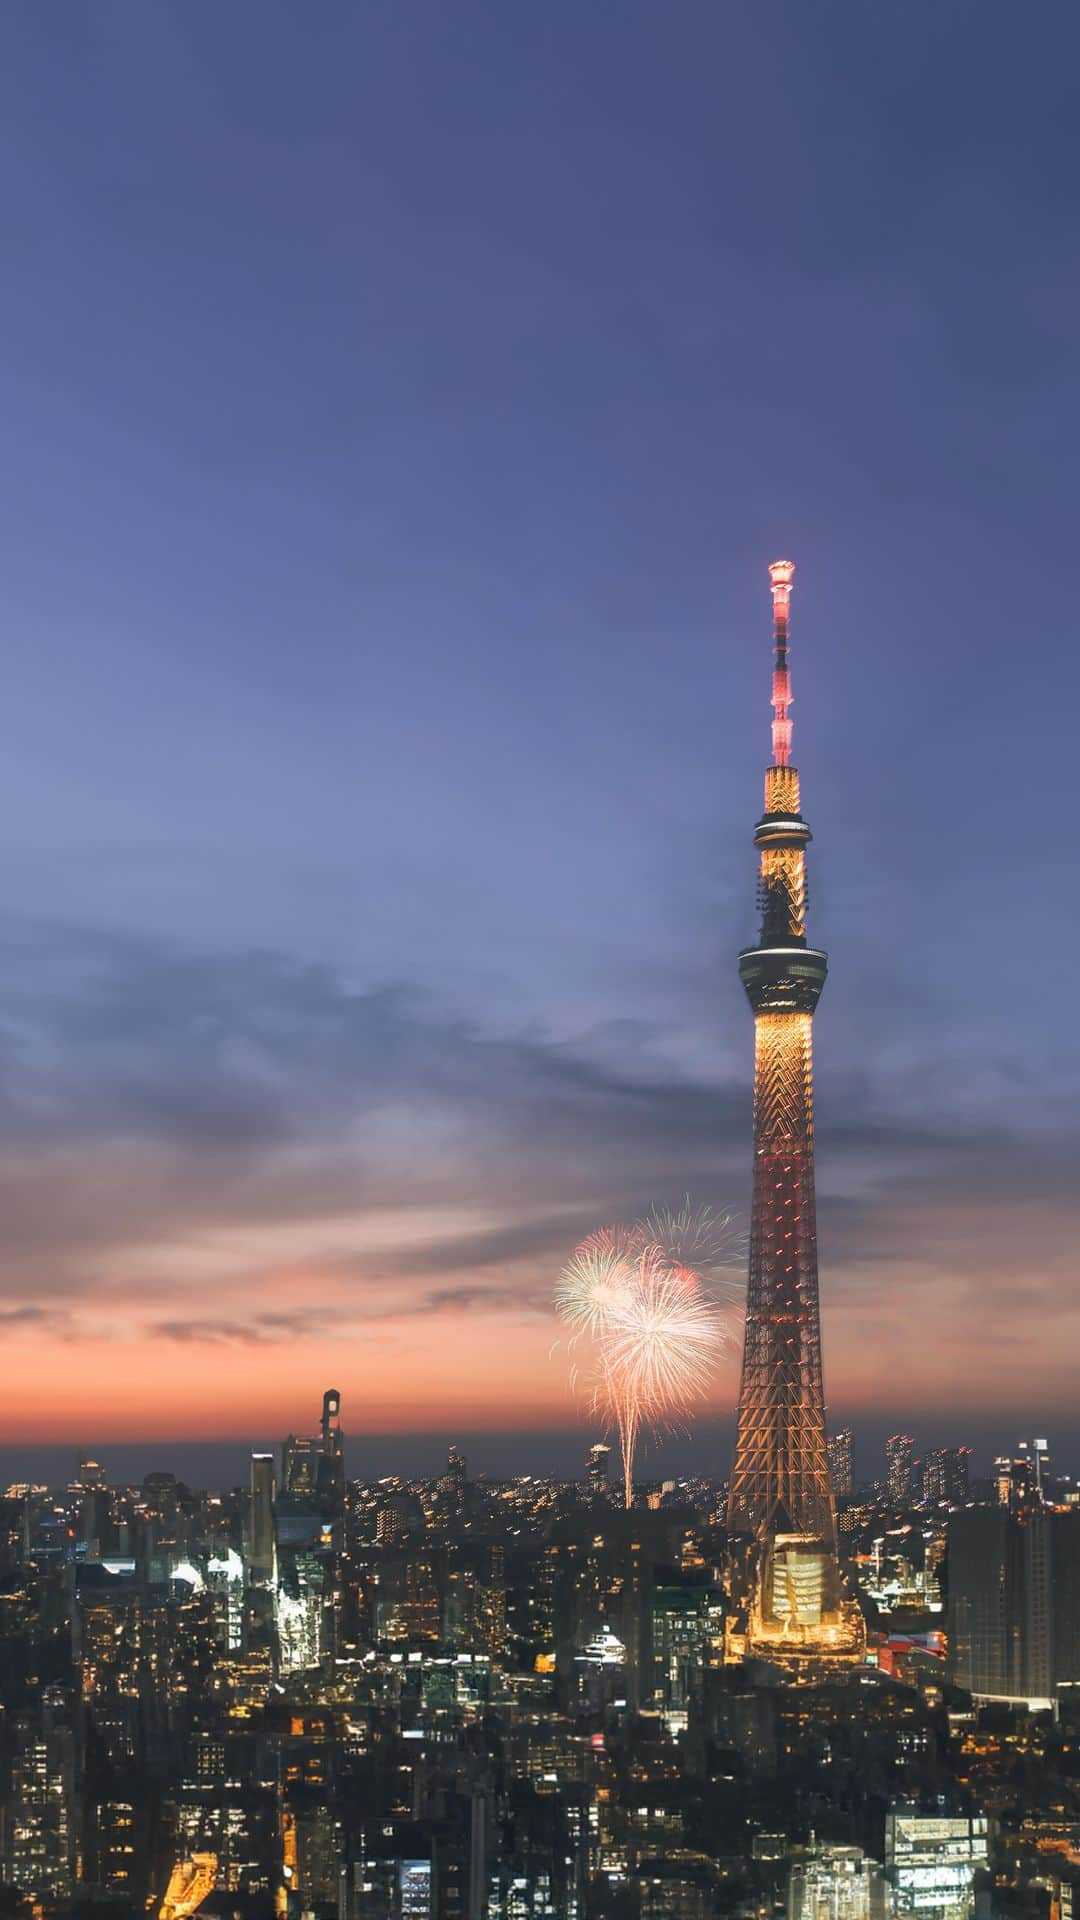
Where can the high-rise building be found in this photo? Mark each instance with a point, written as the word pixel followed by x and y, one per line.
pixel 789 1601
pixel 1014 1602
pixel 1029 1473
pixel 298 1611
pixel 1017 1479
pixel 94 1521
pixel 835 1883
pixel 947 1476
pixel 984 1602
pixel 300 1466
pixel 1065 1602
pixel 454 1481
pixel 330 1471
pixel 313 1467
pixel 1000 1603
pixel 841 1465
pixel 261 1521
pixel 596 1469
pixel 931 1862
pixel 39 1830
pixel 900 1468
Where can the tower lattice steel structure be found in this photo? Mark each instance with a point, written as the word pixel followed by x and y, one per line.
pixel 788 1598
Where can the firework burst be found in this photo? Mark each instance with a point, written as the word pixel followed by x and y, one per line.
pixel 596 1279
pixel 654 1331
pixel 710 1241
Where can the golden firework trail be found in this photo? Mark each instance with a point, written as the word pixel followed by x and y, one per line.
pixel 654 1331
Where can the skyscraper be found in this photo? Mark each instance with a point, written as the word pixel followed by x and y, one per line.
pixel 1014 1602
pixel 985 1602
pixel 299 1465
pixel 330 1473
pixel 835 1883
pixel 454 1482
pixel 900 1468
pixel 931 1861
pixel 788 1598
pixel 841 1470
pixel 947 1476
pixel 596 1471
pixel 261 1521
pixel 39 1849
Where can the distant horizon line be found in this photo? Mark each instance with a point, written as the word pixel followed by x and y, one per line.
pixel 222 1460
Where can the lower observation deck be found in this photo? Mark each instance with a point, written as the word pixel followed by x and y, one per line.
pixel 783 979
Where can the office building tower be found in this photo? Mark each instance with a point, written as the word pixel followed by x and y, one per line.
pixel 298 1613
pixel 841 1466
pixel 1065 1602
pixel 39 1849
pixel 330 1470
pixel 931 1861
pixel 984 1602
pixel 1001 1600
pixel 596 1469
pixel 1040 1454
pixel 835 1883
pixel 261 1521
pixel 300 1466
pixel 947 1477
pixel 94 1522
pixel 789 1602
pixel 900 1469
pixel 454 1481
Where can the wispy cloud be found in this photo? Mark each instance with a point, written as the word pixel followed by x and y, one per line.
pixel 207 1149
pixel 260 1330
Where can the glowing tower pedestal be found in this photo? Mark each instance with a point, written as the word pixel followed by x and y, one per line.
pixel 788 1599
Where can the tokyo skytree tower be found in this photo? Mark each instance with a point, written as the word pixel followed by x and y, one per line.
pixel 788 1600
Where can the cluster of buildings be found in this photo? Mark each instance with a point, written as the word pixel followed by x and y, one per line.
pixel 493 1700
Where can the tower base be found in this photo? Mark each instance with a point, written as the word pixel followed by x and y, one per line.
pixel 791 1608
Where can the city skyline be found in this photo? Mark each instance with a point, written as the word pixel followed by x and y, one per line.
pixel 382 699
pixel 555 1452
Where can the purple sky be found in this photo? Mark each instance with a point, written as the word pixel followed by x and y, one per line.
pixel 402 405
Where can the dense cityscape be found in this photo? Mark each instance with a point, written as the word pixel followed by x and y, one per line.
pixel 492 1699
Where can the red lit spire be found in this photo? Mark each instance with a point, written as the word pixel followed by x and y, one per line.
pixel 781 574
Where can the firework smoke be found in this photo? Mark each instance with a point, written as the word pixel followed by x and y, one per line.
pixel 637 1295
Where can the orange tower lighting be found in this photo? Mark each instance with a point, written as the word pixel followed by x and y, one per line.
pixel 788 1600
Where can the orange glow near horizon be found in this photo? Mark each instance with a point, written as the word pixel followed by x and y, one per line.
pixel 918 1347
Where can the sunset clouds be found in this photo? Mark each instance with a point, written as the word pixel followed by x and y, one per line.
pixel 240 1174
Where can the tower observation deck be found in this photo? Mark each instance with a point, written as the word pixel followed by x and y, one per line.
pixel 789 1603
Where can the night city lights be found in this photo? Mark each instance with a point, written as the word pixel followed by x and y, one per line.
pixel 541 1380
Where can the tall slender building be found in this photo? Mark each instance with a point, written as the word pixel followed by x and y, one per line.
pixel 900 1468
pixel 788 1600
pixel 841 1464
pixel 260 1529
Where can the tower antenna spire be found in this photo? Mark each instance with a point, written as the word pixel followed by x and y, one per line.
pixel 781 576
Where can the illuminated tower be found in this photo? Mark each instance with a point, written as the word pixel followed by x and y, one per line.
pixel 788 1599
